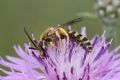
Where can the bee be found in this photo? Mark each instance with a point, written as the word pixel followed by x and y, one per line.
pixel 57 33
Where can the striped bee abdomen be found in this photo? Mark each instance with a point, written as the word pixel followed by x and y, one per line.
pixel 80 39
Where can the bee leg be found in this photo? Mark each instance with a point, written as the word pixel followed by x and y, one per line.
pixel 43 44
pixel 58 35
pixel 64 32
pixel 53 44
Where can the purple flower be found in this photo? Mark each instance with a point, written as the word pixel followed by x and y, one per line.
pixel 64 63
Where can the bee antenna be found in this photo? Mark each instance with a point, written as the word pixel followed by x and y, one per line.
pixel 29 37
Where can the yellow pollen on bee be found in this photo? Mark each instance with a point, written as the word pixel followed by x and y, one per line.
pixel 58 35
pixel 64 32
pixel 52 44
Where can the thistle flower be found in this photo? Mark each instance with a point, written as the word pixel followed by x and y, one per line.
pixel 64 63
pixel 108 10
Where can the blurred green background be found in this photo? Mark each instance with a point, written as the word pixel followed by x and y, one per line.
pixel 37 15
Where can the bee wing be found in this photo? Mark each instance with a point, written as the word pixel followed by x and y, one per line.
pixel 69 23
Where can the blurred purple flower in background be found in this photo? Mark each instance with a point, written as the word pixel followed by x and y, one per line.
pixel 65 63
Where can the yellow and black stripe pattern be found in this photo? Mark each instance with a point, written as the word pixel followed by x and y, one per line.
pixel 53 34
pixel 80 39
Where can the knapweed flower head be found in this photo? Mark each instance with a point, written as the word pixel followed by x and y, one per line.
pixel 64 63
pixel 108 10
